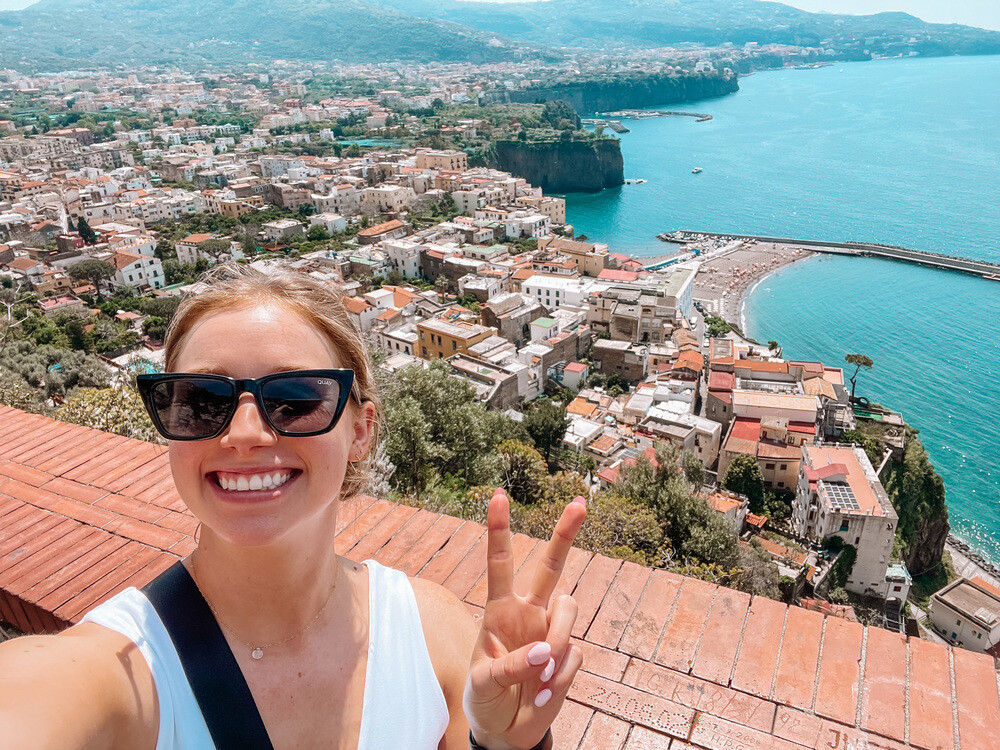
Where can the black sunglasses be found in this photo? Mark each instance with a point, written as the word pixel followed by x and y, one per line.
pixel 300 403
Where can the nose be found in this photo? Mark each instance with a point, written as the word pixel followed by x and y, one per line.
pixel 248 429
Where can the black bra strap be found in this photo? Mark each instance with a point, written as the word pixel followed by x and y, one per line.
pixel 212 671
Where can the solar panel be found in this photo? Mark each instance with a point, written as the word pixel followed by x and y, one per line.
pixel 841 496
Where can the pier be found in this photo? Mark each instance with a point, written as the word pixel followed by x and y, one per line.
pixel 642 114
pixel 980 268
pixel 611 124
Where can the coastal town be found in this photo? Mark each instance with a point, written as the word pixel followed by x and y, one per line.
pixel 118 190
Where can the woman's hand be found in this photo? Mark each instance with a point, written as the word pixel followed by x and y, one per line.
pixel 522 665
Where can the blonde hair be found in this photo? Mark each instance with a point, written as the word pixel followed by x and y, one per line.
pixel 231 285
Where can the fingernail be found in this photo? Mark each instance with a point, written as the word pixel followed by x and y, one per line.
pixel 549 670
pixel 580 499
pixel 539 654
pixel 543 697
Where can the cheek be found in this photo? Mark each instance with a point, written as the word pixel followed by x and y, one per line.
pixel 185 465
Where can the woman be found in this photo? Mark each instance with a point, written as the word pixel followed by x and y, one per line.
pixel 269 432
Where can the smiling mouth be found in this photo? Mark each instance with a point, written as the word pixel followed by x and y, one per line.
pixel 252 482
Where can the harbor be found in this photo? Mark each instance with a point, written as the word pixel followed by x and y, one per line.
pixel 645 114
pixel 984 269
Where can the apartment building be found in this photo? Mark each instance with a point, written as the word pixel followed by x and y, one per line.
pixel 966 613
pixel 839 494
pixel 441 338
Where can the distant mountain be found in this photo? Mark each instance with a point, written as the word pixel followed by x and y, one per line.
pixel 652 23
pixel 106 32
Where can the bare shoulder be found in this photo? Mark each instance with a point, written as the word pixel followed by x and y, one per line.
pixel 94 678
pixel 449 628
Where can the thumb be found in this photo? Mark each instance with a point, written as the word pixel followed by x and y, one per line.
pixel 490 677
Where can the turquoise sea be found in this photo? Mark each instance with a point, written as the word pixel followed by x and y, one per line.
pixel 905 152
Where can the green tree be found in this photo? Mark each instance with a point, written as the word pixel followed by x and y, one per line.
pixel 859 361
pixel 317 233
pixel 546 424
pixel 694 469
pixel 522 471
pixel 155 327
pixel 83 228
pixel 118 410
pixel 214 248
pixel 445 426
pixel 745 478
pixel 92 270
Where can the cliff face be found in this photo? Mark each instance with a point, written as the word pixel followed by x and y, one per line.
pixel 649 91
pixel 917 492
pixel 564 166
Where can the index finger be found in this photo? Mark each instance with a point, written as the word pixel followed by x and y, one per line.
pixel 499 557
pixel 551 565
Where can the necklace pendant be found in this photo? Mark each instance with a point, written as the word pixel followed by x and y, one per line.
pixel 257 653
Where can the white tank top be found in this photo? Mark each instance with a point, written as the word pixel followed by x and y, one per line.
pixel 403 703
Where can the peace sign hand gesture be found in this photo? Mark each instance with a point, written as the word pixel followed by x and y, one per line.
pixel 523 664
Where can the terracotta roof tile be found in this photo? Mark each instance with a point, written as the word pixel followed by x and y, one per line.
pixel 457 547
pixel 721 639
pixel 730 671
pixel 839 672
pixel 930 699
pixel 976 696
pixel 757 659
pixel 683 629
pixel 591 590
pixel 643 631
pixel 798 663
pixel 613 616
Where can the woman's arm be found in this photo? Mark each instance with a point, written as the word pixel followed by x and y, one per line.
pixel 87 687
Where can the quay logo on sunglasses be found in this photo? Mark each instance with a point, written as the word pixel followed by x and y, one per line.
pixel 192 406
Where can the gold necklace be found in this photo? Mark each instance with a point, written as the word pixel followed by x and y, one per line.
pixel 257 652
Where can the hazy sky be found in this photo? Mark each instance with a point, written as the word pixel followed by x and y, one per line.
pixel 983 13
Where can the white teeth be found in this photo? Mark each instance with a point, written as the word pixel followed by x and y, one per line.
pixel 244 482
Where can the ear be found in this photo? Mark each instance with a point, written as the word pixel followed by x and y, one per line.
pixel 364 429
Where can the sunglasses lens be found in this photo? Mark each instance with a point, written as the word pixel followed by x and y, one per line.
pixel 192 407
pixel 301 404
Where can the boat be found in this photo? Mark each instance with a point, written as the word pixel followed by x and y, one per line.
pixel 696 170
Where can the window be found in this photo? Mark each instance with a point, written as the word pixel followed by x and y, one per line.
pixel 454 345
pixel 424 350
pixel 784 466
pixel 769 467
pixel 781 484
pixel 857 541
pixel 422 338
pixel 897 588
pixel 843 526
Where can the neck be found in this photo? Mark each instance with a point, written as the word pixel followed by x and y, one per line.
pixel 267 595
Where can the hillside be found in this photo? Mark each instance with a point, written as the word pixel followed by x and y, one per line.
pixel 106 32
pixel 652 23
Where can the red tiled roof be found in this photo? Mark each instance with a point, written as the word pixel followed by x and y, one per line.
pixel 669 661
pixel 721 380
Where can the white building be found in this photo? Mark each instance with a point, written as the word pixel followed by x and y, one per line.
pixel 967 614
pixel 404 256
pixel 553 291
pixel 138 271
pixel 331 222
pixel 839 494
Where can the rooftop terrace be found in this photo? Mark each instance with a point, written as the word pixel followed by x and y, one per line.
pixel 670 662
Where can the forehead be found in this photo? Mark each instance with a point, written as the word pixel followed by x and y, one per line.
pixel 264 338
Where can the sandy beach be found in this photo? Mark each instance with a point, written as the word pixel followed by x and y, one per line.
pixel 728 273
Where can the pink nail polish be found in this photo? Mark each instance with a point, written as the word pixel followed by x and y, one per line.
pixel 580 499
pixel 549 670
pixel 543 697
pixel 539 654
